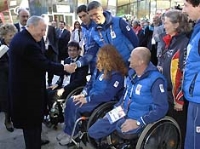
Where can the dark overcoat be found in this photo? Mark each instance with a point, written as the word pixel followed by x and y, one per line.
pixel 4 81
pixel 27 69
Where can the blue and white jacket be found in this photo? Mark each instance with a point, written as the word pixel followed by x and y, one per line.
pixel 100 90
pixel 191 79
pixel 145 99
pixel 89 55
pixel 114 31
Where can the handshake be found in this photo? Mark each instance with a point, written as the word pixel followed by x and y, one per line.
pixel 70 68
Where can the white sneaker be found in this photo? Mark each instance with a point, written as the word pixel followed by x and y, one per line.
pixel 65 141
pixel 61 136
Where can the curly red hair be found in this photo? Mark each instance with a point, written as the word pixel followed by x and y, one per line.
pixel 108 60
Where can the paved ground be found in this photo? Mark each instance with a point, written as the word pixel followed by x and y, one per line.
pixel 15 139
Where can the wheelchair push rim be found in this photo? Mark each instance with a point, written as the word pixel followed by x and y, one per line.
pixel 98 113
pixel 163 134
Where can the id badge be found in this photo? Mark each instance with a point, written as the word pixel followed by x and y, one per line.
pixel 113 35
pixel 115 114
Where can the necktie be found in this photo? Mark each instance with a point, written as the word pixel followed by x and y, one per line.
pixel 23 27
pixel 72 61
pixel 60 33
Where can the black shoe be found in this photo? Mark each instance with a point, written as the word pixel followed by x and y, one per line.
pixel 43 142
pixel 9 126
pixel 8 123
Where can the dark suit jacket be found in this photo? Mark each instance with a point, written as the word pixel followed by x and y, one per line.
pixel 62 44
pixel 27 67
pixel 17 26
pixel 51 35
pixel 78 78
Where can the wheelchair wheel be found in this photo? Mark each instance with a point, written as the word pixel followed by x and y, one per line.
pixel 163 134
pixel 99 113
pixel 57 109
pixel 56 113
pixel 76 91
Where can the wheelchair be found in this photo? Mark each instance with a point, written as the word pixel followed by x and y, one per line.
pixel 56 112
pixel 85 121
pixel 162 134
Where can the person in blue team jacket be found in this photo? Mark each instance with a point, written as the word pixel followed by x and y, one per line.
pixel 87 27
pixel 144 100
pixel 191 77
pixel 106 83
pixel 108 30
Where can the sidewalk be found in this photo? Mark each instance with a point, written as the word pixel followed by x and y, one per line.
pixel 15 140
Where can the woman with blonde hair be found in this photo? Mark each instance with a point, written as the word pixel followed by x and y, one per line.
pixel 106 84
pixel 7 32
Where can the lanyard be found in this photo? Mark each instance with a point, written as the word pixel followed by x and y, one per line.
pixel 111 32
pixel 129 100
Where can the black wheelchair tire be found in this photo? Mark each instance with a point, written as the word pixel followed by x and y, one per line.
pixel 150 127
pixel 98 113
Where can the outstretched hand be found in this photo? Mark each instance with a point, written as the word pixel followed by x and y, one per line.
pixel 69 68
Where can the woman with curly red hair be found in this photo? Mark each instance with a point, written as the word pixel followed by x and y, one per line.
pixel 105 85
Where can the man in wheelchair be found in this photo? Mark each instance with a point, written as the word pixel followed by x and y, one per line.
pixel 61 89
pixel 144 100
pixel 105 85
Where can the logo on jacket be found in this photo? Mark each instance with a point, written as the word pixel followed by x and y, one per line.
pixel 138 89
pixel 116 84
pixel 162 90
pixel 128 28
pixel 101 78
pixel 198 129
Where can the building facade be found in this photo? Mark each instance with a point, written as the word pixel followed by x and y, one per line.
pixel 65 10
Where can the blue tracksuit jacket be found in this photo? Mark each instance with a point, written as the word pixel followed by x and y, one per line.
pixel 99 90
pixel 114 31
pixel 145 100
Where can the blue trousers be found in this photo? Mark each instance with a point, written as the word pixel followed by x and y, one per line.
pixel 192 140
pixel 73 112
pixel 102 128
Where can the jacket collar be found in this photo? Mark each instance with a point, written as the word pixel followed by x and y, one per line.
pixel 107 22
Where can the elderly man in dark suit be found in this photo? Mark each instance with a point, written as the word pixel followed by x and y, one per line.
pixel 63 39
pixel 23 15
pixel 27 69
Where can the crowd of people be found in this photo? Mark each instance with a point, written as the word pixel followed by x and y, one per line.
pixel 150 68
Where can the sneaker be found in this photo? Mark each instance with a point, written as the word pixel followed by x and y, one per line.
pixel 61 136
pixel 65 141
